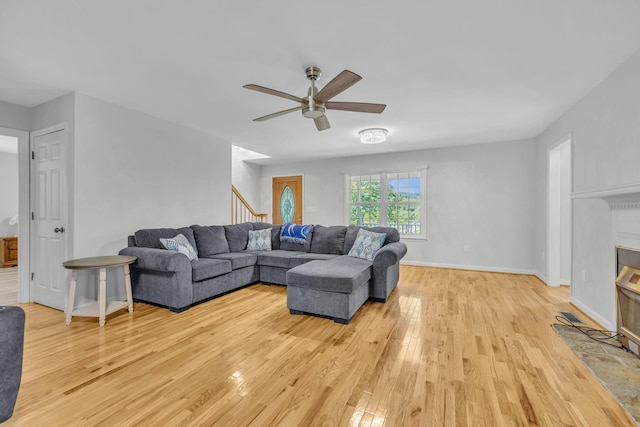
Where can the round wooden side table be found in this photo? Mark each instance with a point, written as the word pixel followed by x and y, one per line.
pixel 100 308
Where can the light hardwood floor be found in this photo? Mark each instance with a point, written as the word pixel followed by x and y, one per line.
pixel 450 347
pixel 8 286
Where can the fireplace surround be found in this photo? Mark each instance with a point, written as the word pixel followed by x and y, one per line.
pixel 624 206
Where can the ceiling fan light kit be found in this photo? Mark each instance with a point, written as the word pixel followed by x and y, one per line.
pixel 314 105
pixel 373 135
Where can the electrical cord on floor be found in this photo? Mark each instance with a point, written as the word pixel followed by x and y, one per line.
pixel 592 333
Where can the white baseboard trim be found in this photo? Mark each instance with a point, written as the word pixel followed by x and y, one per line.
pixel 470 267
pixel 543 278
pixel 563 282
pixel 595 316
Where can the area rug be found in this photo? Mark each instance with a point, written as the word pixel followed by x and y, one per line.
pixel 617 370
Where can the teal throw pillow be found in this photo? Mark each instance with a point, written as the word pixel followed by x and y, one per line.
pixel 367 244
pixel 259 240
pixel 180 244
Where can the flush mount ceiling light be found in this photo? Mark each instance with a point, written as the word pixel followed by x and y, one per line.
pixel 373 135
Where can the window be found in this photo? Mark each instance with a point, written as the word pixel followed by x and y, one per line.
pixel 388 199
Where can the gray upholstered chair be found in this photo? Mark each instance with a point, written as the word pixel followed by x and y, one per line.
pixel 11 348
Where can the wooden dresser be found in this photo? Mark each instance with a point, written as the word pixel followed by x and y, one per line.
pixel 9 252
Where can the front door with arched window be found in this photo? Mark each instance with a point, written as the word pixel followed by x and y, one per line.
pixel 287 199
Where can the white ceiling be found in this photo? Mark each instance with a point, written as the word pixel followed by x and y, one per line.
pixel 450 71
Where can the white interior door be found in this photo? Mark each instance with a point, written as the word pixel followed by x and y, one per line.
pixel 49 217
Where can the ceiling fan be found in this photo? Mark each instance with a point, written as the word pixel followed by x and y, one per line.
pixel 316 102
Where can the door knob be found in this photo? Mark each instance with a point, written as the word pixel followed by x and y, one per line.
pixel 59 230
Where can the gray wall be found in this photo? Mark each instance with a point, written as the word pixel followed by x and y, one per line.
pixel 605 129
pixel 478 195
pixel 14 116
pixel 136 171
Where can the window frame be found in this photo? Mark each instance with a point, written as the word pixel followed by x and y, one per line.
pixel 384 202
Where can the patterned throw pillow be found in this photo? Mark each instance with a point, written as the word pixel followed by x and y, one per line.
pixel 295 233
pixel 367 244
pixel 259 240
pixel 180 244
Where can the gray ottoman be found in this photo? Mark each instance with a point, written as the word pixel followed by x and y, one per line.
pixel 335 288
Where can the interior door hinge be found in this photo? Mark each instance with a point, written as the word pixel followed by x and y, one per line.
pixel 33 155
pixel 33 275
pixel 33 216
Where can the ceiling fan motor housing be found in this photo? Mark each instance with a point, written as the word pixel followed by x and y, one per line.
pixel 311 109
pixel 313 73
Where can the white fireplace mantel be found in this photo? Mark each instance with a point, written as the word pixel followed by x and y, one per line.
pixel 621 197
pixel 624 202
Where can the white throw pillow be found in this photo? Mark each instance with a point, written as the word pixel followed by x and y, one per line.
pixel 367 244
pixel 259 240
pixel 180 244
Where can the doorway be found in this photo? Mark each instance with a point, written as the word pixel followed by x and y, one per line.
pixel 20 224
pixel 9 207
pixel 559 215
pixel 287 199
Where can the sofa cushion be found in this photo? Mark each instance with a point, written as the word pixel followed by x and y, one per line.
pixel 275 232
pixel 238 259
pixel 328 240
pixel 342 274
pixel 305 258
pixel 259 240
pixel 206 268
pixel 305 247
pixel 238 236
pixel 150 237
pixel 211 240
pixel 277 258
pixel 180 244
pixel 352 232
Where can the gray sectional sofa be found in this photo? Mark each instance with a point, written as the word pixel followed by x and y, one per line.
pixel 334 281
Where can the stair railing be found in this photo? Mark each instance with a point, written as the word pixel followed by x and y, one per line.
pixel 241 211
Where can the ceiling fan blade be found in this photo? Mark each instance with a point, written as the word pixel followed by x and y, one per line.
pixel 322 123
pixel 341 82
pixel 272 92
pixel 278 114
pixel 360 107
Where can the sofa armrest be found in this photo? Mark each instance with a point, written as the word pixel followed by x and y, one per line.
pixel 158 259
pixel 386 270
pixel 390 254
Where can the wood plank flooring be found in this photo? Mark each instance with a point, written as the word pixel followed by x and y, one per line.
pixel 450 347
pixel 8 286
